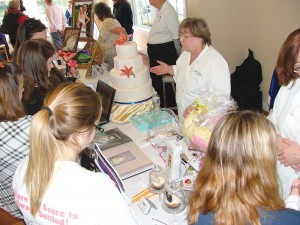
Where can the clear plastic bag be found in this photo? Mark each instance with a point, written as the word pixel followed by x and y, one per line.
pixel 207 109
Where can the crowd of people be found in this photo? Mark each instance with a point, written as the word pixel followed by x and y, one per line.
pixel 252 162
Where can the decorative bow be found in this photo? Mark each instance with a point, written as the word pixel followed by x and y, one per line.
pixel 127 72
pixel 122 39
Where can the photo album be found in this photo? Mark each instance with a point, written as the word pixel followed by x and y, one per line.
pixel 122 153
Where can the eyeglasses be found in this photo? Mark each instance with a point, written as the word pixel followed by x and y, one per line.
pixel 184 36
pixel 99 129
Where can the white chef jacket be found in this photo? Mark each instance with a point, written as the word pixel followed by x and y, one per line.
pixel 286 118
pixel 208 71
pixel 165 26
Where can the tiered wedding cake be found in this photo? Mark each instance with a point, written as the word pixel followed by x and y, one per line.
pixel 131 79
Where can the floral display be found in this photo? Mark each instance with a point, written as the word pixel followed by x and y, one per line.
pixel 72 64
pixel 122 39
pixel 207 110
pixel 67 56
pixel 127 72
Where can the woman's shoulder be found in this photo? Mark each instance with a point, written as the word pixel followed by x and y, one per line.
pixel 280 217
pixel 21 125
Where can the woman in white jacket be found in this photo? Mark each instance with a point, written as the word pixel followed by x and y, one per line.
pixel 286 112
pixel 199 67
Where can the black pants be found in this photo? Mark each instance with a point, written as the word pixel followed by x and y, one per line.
pixel 166 53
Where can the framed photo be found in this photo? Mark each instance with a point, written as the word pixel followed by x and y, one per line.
pixel 83 17
pixel 70 39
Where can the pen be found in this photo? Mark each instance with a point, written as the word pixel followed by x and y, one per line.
pixel 159 221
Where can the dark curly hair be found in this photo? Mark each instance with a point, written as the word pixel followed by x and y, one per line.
pixel 102 11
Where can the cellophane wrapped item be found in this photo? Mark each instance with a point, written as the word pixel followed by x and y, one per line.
pixel 207 109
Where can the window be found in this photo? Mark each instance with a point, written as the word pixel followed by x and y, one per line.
pixel 144 15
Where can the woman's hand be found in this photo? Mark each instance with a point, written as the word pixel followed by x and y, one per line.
pixel 295 190
pixel 162 69
pixel 187 110
pixel 289 153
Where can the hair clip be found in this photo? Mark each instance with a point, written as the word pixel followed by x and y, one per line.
pixel 1 65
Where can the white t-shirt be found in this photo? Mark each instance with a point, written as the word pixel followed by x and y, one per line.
pixel 208 71
pixel 75 196
pixel 285 116
pixel 165 26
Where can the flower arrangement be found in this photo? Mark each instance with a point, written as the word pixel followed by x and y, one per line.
pixel 206 111
pixel 67 56
pixel 72 64
pixel 123 39
pixel 127 72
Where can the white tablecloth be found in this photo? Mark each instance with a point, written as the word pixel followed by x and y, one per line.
pixel 139 182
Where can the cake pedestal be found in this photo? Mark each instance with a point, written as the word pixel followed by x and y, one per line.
pixel 121 113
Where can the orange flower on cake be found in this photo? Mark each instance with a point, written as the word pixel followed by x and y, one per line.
pixel 123 39
pixel 127 72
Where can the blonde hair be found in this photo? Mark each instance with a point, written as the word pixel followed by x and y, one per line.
pixel 239 171
pixel 198 28
pixel 69 108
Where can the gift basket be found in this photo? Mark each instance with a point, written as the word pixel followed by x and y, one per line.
pixel 206 110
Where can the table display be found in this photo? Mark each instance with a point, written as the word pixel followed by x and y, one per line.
pixel 137 186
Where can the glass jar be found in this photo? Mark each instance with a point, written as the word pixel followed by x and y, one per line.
pixel 157 179
pixel 173 200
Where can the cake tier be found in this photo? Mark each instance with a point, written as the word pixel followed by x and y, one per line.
pixel 134 94
pixel 125 82
pixel 136 63
pixel 127 51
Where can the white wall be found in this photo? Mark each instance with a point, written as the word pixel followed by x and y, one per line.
pixel 269 23
pixel 261 25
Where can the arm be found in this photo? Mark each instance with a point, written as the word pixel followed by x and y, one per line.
pixel 87 20
pixel 118 30
pixel 162 69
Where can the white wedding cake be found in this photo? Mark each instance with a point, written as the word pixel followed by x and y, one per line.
pixel 130 77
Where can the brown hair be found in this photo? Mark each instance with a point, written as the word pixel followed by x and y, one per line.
pixel 14 4
pixel 234 183
pixel 27 29
pixel 287 57
pixel 32 56
pixel 102 11
pixel 198 28
pixel 11 108
pixel 70 108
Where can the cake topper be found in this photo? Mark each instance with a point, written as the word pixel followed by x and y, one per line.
pixel 127 72
pixel 123 39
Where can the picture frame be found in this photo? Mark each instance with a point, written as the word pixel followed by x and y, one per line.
pixel 71 39
pixel 84 18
